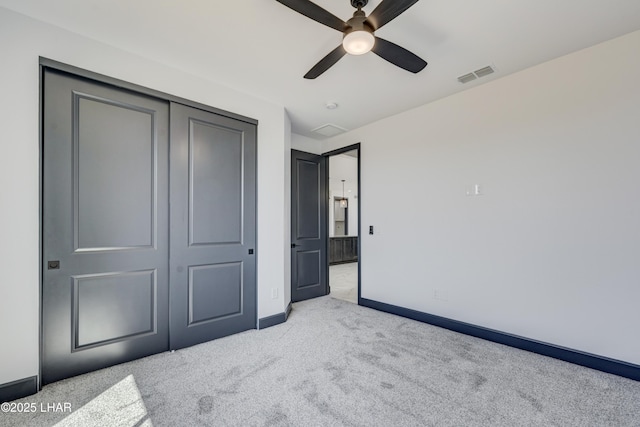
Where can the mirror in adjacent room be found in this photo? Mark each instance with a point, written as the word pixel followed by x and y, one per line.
pixel 340 214
pixel 343 226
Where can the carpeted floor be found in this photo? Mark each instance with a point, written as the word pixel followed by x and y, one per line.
pixel 338 364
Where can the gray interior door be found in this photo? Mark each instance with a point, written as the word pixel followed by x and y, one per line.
pixel 213 226
pixel 309 197
pixel 105 226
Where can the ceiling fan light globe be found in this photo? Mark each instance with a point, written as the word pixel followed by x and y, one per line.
pixel 358 42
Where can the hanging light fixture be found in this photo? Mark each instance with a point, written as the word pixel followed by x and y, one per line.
pixel 358 42
pixel 358 38
pixel 343 202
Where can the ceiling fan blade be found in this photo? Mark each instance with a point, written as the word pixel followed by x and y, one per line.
pixel 315 12
pixel 326 62
pixel 398 55
pixel 387 11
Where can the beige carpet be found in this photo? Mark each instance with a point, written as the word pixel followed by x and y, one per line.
pixel 338 364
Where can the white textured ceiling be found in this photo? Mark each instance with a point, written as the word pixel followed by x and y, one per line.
pixel 264 48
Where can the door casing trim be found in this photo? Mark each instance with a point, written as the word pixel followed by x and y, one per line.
pixel 328 154
pixel 101 78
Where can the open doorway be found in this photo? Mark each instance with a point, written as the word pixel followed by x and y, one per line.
pixel 325 224
pixel 344 223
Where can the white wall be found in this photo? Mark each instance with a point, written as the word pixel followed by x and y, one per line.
pixel 23 41
pixel 551 250
pixel 309 145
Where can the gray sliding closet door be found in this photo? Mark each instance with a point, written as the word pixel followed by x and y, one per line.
pixel 213 226
pixel 148 234
pixel 105 226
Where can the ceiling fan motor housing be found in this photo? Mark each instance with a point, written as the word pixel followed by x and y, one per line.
pixel 358 23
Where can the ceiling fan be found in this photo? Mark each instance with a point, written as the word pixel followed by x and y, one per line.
pixel 358 33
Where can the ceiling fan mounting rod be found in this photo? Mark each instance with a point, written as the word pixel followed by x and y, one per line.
pixel 359 4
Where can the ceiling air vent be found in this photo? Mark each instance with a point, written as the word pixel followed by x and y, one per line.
pixel 467 78
pixel 329 130
pixel 484 71
pixel 476 74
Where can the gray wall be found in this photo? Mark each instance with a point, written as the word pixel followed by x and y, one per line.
pixel 551 249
